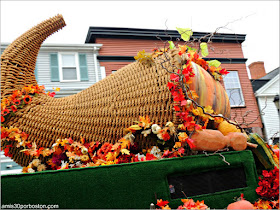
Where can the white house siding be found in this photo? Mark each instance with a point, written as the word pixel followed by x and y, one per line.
pixel 67 88
pixel 270 117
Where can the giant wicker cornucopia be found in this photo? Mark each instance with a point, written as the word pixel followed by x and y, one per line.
pixel 102 111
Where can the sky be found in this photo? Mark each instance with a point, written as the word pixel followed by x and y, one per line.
pixel 259 20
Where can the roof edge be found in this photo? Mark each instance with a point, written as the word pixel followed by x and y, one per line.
pixel 140 33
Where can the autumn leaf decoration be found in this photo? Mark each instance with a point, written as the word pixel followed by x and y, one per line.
pixel 144 58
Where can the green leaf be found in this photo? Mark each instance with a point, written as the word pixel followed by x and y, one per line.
pixel 186 33
pixel 204 49
pixel 215 63
pixel 191 49
pixel 171 45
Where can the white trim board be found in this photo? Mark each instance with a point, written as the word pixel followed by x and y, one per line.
pixel 260 91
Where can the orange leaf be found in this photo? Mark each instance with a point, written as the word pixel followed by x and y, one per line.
pixel 116 146
pixel 177 144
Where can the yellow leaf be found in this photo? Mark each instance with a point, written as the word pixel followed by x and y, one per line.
pixel 208 109
pixel 143 57
pixel 135 127
pixel 125 151
pixel 195 112
pixel 125 143
pixel 18 137
pixel 111 156
pixel 181 127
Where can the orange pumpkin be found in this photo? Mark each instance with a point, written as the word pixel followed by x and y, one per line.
pixel 241 204
pixel 210 91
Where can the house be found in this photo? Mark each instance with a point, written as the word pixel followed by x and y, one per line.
pixel 71 67
pixel 120 45
pixel 266 88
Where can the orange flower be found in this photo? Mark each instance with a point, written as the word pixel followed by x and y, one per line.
pixel 2 119
pixel 182 137
pixel 27 99
pixel 5 112
pixel 16 102
pixel 14 108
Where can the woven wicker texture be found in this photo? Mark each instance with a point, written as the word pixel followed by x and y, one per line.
pixel 99 113
pixel 19 58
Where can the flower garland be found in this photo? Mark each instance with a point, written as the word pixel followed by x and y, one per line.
pixel 19 98
pixel 66 153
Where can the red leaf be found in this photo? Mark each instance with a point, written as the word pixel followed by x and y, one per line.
pixel 162 203
pixel 190 143
pixel 170 85
pixel 174 77
pixel 150 157
pixel 177 108
pixel 224 72
pixel 181 150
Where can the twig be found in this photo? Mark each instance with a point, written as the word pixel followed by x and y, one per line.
pixel 220 150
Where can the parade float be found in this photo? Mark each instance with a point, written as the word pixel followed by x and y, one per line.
pixel 157 131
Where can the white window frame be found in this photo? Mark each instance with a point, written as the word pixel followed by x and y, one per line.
pixel 76 62
pixel 241 92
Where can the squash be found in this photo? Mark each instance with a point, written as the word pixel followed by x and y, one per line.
pixel 238 141
pixel 213 140
pixel 226 128
pixel 209 140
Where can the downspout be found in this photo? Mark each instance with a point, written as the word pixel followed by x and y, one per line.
pixel 95 62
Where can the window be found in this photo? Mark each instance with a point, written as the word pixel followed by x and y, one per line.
pixel 69 68
pixel 114 71
pixel 233 88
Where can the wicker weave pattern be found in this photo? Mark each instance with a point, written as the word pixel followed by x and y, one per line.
pixel 99 113
pixel 19 58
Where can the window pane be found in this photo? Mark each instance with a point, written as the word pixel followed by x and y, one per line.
pixel 69 73
pixel 231 80
pixel 235 97
pixel 68 60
